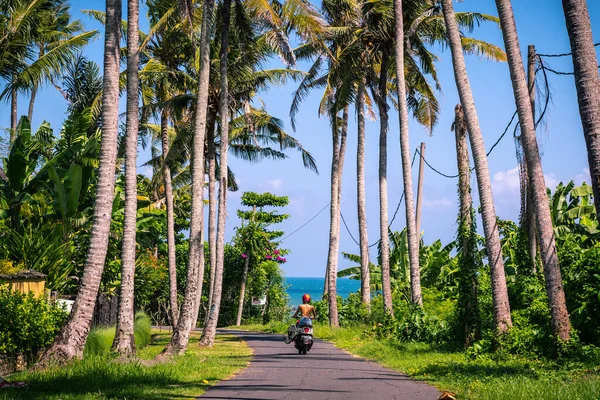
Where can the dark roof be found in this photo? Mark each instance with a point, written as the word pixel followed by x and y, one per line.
pixel 23 275
pixel 3 175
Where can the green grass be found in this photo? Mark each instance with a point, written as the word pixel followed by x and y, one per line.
pixel 100 339
pixel 482 378
pixel 99 377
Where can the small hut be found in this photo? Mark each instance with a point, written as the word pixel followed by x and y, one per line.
pixel 26 281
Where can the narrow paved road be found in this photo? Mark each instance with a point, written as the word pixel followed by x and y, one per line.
pixel 326 372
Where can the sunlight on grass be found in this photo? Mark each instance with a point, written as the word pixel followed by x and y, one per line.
pixel 98 377
pixel 483 378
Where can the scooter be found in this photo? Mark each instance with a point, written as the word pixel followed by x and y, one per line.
pixel 304 336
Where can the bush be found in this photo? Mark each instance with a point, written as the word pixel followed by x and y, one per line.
pixel 582 280
pixel 27 324
pixel 100 340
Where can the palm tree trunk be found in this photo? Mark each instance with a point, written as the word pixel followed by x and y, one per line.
pixel 383 194
pixel 212 211
pixel 173 302
pixel 412 234
pixel 124 343
pixel 587 84
pixel 365 284
pixel 556 295
pixel 13 114
pixel 210 330
pixel 488 213
pixel 189 307
pixel 467 292
pixel 71 340
pixel 238 321
pixel 530 215
pixel 34 92
pixel 339 134
pixel 32 103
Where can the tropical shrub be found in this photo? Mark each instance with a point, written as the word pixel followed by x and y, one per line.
pixel 582 287
pixel 27 324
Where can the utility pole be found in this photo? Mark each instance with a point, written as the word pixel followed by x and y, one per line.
pixel 420 192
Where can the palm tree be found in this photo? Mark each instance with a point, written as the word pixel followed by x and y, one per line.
pixel 195 274
pixel 124 343
pixel 71 340
pixel 499 291
pixel 165 44
pixel 467 293
pixel 554 288
pixel 339 135
pixel 587 84
pixel 365 285
pixel 413 245
pixel 210 329
pixel 381 99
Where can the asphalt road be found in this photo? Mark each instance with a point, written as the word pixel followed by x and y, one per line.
pixel 277 371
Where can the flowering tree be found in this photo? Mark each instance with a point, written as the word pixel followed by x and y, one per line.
pixel 259 243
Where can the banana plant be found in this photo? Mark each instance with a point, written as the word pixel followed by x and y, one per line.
pixel 22 170
pixel 573 213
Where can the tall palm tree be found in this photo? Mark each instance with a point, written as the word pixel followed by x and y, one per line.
pixel 172 266
pixel 189 307
pixel 587 84
pixel 502 317
pixel 413 235
pixel 169 77
pixel 339 135
pixel 71 340
pixel 561 325
pixel 212 212
pixel 467 293
pixel 124 343
pixel 365 284
pixel 381 98
pixel 211 326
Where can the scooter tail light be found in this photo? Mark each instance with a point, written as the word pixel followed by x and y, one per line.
pixel 306 330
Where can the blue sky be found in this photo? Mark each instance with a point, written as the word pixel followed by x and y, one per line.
pixel 540 22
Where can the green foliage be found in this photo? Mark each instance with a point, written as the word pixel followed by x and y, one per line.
pixel 582 284
pixel 573 213
pixel 27 324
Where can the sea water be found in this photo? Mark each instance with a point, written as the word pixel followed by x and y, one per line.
pixel 297 287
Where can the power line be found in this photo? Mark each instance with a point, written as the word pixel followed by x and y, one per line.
pixel 395 213
pixel 563 54
pixel 307 222
pixel 487 155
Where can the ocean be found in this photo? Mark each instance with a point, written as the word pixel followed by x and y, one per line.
pixel 314 287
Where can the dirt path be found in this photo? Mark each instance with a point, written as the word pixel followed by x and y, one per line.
pixel 326 372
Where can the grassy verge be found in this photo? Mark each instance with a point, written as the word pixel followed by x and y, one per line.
pixel 484 377
pixel 98 377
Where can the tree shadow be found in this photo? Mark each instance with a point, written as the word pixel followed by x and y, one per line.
pixel 479 371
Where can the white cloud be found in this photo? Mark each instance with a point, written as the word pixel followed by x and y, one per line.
pixel 583 177
pixel 274 184
pixel 438 203
pixel 506 182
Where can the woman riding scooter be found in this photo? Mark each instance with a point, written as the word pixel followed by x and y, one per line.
pixel 304 310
